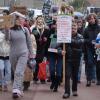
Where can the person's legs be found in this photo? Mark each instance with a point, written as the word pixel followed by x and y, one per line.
pixel 52 62
pixel 93 69
pixel 7 77
pixel 68 71
pixel 58 72
pixel 21 62
pixel 38 61
pixel 1 73
pixel 98 72
pixel 90 66
pixel 80 70
pixel 19 72
pixel 75 70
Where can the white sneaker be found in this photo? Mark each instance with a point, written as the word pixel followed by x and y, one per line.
pixel 17 93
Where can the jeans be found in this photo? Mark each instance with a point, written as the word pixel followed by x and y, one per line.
pixel 98 70
pixel 5 72
pixel 80 69
pixel 55 64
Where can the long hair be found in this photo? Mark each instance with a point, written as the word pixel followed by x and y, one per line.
pixel 16 27
pixel 95 17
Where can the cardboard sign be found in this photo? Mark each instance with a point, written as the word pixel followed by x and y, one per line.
pixel 21 9
pixel 6 21
pixel 64 29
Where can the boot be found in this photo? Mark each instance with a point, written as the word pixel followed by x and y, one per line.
pixel 26 85
pixel 57 82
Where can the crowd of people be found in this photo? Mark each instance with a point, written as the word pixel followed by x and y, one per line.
pixel 26 41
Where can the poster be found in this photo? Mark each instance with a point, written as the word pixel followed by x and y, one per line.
pixel 46 11
pixel 46 7
pixel 64 28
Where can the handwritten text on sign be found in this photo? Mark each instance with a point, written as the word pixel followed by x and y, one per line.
pixel 64 29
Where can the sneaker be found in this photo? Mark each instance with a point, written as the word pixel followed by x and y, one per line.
pixel 79 82
pixel 0 87
pixel 51 86
pixel 93 81
pixel 17 93
pixel 65 96
pixel 55 90
pixel 5 88
pixel 88 84
pixel 75 94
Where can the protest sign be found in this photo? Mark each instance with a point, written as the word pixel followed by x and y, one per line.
pixel 64 29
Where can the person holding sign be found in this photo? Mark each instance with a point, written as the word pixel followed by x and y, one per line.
pixel 73 56
pixel 55 58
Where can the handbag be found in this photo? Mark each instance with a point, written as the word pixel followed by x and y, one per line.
pixel 42 71
pixel 31 63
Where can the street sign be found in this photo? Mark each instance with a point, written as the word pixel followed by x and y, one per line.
pixel 64 28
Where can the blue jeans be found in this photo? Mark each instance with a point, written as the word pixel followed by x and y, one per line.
pixel 5 72
pixel 80 69
pixel 55 64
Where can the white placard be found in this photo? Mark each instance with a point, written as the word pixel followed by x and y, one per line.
pixel 64 29
pixel 52 50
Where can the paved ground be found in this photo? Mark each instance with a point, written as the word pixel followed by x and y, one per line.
pixel 42 92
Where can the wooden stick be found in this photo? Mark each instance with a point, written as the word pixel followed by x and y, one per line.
pixel 64 49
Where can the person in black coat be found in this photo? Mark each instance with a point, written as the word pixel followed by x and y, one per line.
pixel 90 35
pixel 73 56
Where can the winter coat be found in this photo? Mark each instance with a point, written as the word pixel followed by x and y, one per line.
pixel 41 44
pixel 90 35
pixel 74 49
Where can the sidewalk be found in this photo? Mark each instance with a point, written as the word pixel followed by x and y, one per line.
pixel 42 92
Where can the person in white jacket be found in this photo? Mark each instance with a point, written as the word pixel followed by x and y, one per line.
pixel 5 67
